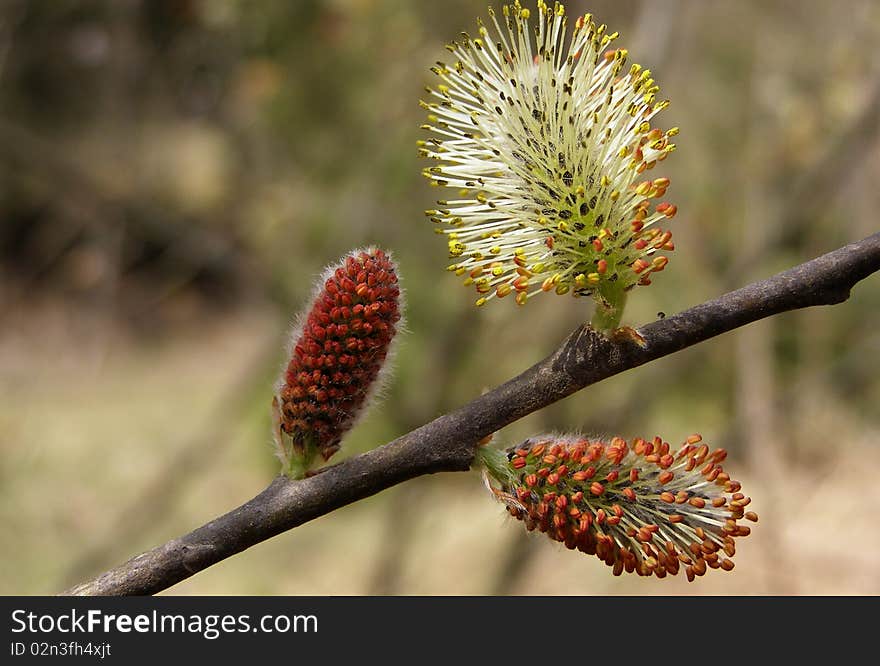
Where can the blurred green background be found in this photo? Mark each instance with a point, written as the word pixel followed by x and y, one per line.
pixel 174 174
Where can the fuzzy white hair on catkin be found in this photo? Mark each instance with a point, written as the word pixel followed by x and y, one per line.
pixel 570 437
pixel 375 392
pixel 502 496
pixel 549 438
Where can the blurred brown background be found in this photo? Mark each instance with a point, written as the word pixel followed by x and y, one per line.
pixel 173 174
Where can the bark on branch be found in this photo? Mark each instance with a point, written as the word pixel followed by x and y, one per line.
pixel 447 443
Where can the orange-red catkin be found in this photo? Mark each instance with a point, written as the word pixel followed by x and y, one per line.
pixel 339 349
pixel 653 513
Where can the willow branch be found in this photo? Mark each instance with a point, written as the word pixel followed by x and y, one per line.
pixel 447 443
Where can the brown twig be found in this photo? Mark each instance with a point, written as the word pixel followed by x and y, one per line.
pixel 447 443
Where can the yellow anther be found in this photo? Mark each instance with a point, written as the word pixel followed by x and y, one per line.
pixel 593 278
pixel 480 302
pixel 562 289
pixel 643 188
